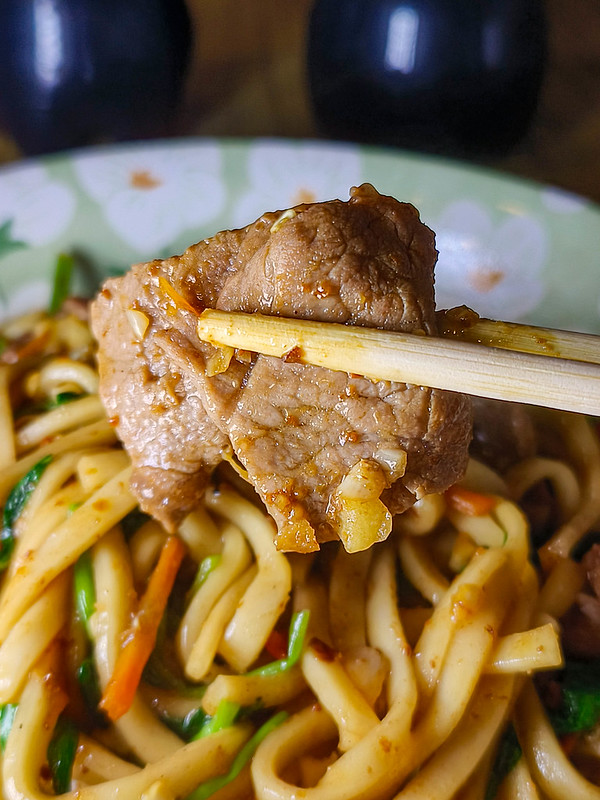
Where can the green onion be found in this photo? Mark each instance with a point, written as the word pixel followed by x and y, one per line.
pixel 580 691
pixel 224 717
pixel 84 589
pixel 298 627
pixel 509 753
pixel 61 287
pixel 207 565
pixel 7 716
pixel 211 786
pixel 61 754
pixel 89 686
pixel 15 502
pixel 48 405
pixel 186 727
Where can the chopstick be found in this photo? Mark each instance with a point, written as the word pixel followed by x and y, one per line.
pixel 550 376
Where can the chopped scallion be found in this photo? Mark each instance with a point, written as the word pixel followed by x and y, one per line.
pixel 211 786
pixel 61 286
pixel 7 716
pixel 297 634
pixel 84 589
pixel 61 754
pixel 15 503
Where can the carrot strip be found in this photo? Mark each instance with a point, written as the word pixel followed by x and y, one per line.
pixel 465 501
pixel 141 635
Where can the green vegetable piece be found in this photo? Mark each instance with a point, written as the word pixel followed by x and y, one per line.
pixel 61 754
pixel 207 565
pixel 3 344
pixel 84 589
pixel 89 686
pixel 211 786
pixel 15 502
pixel 7 545
pixel 7 716
pixel 507 757
pixel 187 727
pixel 223 718
pixel 580 707
pixel 297 634
pixel 61 287
pixel 20 492
pixel 65 397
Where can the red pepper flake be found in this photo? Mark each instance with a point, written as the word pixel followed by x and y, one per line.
pixel 293 356
pixel 277 645
pixel 322 650
pixel 113 421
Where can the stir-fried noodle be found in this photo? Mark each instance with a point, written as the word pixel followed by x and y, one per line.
pixel 208 664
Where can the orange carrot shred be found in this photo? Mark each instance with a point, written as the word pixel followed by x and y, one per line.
pixel 140 638
pixel 465 501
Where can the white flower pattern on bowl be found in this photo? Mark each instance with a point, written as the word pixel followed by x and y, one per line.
pixel 149 195
pixel 26 194
pixel 283 175
pixel 31 295
pixel 496 269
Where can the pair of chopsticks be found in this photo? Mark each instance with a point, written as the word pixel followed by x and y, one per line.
pixel 500 360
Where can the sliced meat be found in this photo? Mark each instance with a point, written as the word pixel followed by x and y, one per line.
pixel 299 430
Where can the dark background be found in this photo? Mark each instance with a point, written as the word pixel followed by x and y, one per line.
pixel 248 78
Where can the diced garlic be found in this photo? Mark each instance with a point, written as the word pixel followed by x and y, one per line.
pixel 138 321
pixel 219 361
pixel 394 460
pixel 364 481
pixel 281 219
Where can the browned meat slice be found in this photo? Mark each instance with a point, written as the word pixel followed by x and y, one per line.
pixel 322 448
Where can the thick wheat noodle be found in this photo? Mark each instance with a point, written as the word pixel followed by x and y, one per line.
pixel 181 772
pixel 31 635
pixel 406 708
pixel 65 544
pixel 211 637
pixel 94 435
pixel 347 598
pixel 235 558
pixel 550 767
pixel 416 560
pixel 147 737
pixel 564 481
pixel 586 449
pixel 267 596
pixel 66 417
pixel 385 632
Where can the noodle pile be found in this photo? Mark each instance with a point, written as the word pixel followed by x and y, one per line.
pixel 135 664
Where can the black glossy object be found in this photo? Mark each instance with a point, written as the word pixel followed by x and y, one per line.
pixel 76 72
pixel 459 77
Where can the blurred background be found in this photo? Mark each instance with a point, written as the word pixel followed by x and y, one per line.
pixel 526 102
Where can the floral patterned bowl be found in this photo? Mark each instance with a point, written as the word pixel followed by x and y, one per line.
pixel 509 249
